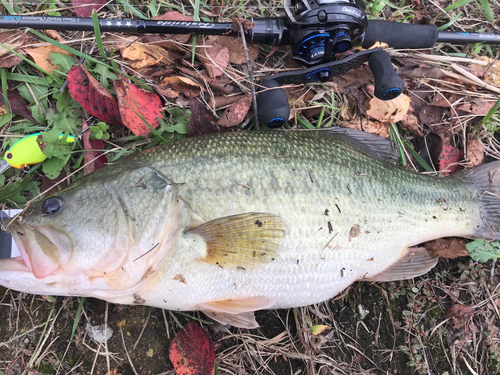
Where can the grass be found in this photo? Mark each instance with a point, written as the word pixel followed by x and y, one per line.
pixel 404 327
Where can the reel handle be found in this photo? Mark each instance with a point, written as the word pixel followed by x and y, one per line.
pixel 272 105
pixel 388 85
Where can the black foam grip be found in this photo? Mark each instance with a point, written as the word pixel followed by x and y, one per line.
pixel 400 35
pixel 273 106
pixel 388 84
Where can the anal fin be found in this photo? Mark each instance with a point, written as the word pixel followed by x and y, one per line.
pixel 236 312
pixel 415 262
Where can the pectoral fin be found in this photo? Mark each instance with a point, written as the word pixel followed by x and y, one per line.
pixel 238 313
pixel 241 241
pixel 416 262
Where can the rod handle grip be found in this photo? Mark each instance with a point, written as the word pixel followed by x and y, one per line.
pixel 388 85
pixel 272 105
pixel 400 35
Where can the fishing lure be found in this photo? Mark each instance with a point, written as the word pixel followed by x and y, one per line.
pixel 25 152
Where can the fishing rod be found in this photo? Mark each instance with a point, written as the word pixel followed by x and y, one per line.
pixel 317 30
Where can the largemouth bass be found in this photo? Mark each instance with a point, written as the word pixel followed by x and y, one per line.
pixel 237 222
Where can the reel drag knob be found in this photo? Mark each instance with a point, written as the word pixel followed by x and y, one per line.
pixel 273 106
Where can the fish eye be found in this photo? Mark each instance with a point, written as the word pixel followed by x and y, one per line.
pixel 9 155
pixel 52 205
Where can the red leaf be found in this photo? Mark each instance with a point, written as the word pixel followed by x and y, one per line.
pixel 448 159
pixel 92 96
pixel 18 105
pixel 201 120
pixel 50 187
pixel 192 352
pixel 96 159
pixel 138 106
pixel 83 8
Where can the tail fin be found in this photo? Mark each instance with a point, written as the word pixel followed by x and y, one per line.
pixel 485 185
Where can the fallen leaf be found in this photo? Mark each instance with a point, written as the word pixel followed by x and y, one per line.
pixel 369 126
pixel 18 105
pixel 41 56
pixel 389 110
pixel 355 77
pixel 14 40
pixel 92 96
pixel 92 158
pixel 172 86
pixel 218 60
pixel 478 107
pixel 201 120
pixel 459 314
pixel 171 41
pixel 236 51
pixel 54 35
pixel 420 72
pixel 448 159
pixel 139 109
pixel 318 329
pixel 475 153
pixel 236 112
pixel 192 351
pixel 490 72
pixel 53 186
pixel 450 247
pixel 143 54
pixel 410 123
pixel 83 8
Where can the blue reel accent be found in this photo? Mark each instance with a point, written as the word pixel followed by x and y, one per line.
pixel 313 46
pixel 391 93
pixel 313 77
pixel 275 122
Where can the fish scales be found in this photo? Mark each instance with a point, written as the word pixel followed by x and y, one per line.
pixel 330 215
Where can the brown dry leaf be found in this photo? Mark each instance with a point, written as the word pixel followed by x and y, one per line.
pixel 490 72
pixel 172 86
pixel 236 112
pixel 174 38
pixel 410 123
pixel 369 126
pixel 420 72
pixel 143 54
pixel 451 247
pixel 476 107
pixel 389 110
pixel 430 114
pixel 459 314
pixel 218 61
pixel 41 56
pixel 14 40
pixel 475 153
pixel 54 35
pixel 236 51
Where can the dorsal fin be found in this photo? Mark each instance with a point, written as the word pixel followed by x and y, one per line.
pixel 371 144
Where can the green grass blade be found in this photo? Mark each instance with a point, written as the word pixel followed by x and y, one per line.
pixel 487 10
pixel 305 123
pixel 3 79
pixel 132 9
pixel 397 139
pixel 458 4
pixel 417 157
pixel 445 26
pixel 7 6
pixel 491 112
pixel 97 34
pixel 77 317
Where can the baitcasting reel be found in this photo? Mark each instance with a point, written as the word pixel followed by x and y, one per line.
pixel 318 31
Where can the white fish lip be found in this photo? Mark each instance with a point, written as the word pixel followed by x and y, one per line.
pixel 20 263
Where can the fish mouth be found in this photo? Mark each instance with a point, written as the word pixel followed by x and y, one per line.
pixel 39 248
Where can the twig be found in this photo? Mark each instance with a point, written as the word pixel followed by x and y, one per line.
pixel 474 79
pixel 126 352
pixel 250 74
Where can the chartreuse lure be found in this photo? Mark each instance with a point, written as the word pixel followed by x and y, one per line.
pixel 25 152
